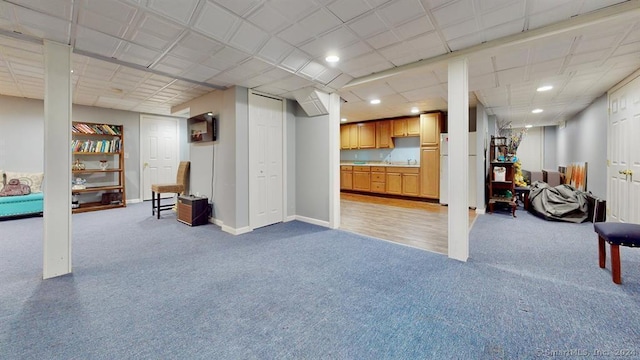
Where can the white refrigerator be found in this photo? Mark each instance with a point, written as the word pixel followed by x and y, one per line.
pixel 444 170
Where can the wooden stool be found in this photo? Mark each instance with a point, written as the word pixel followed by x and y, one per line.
pixel 615 234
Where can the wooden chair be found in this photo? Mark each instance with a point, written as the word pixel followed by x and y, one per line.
pixel 178 188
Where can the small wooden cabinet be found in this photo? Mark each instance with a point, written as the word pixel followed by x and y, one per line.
pixel 409 126
pixel 346 177
pixel 345 141
pixel 366 135
pixel 383 134
pixel 403 180
pixel 430 129
pixel 378 179
pixel 430 172
pixel 361 178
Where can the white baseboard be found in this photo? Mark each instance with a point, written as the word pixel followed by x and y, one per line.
pixel 313 221
pixel 289 218
pixel 481 211
pixel 234 231
pixel 133 201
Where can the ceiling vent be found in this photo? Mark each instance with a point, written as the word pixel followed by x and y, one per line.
pixel 312 101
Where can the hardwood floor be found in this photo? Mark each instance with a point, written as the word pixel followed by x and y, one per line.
pixel 414 223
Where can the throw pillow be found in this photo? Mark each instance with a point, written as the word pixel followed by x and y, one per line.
pixel 34 180
pixel 2 180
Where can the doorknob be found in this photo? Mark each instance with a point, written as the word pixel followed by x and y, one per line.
pixel 145 165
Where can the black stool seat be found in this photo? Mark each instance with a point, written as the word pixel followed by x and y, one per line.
pixel 616 234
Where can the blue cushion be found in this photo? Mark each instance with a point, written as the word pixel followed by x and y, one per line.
pixel 619 233
pixel 21 204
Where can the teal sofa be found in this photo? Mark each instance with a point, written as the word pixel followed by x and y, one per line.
pixel 21 205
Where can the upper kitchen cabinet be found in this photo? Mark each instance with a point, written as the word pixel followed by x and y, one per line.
pixel 367 135
pixel 383 134
pixel 430 129
pixel 358 136
pixel 409 126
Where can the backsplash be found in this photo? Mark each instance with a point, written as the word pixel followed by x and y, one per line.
pixel 405 149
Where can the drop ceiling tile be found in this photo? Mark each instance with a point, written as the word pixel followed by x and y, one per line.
pixel 328 76
pixel 383 39
pixel 295 34
pixel 225 58
pixel 337 39
pixel 95 42
pixel 296 60
pixel 511 76
pixel 138 55
pixel 596 43
pixel 453 12
pixel 398 12
pixel 101 23
pixel 402 84
pixel 173 65
pixel 195 47
pixel 43 26
pixel 503 14
pixel 320 21
pixel 368 25
pixel 480 64
pixel 595 57
pixel 340 81
pixel 348 9
pixel 415 27
pixel 482 82
pixel 546 68
pixel 200 73
pixel 551 50
pixel 465 41
pixel 180 11
pixel 425 93
pixel 240 7
pixel 216 22
pixel 461 29
pixel 59 8
pixel 275 50
pixel 294 9
pixel 248 38
pixel 546 17
pixel 312 70
pixel 365 64
pixel 269 19
pixel 508 58
pixel 503 30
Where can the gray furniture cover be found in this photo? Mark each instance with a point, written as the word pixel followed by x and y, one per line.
pixel 561 202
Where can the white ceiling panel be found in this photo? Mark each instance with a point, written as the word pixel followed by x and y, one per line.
pixel 180 11
pixel 348 9
pixel 269 19
pixel 398 12
pixel 240 7
pixel 216 22
pixel 454 12
pixel 279 46
pixel 248 38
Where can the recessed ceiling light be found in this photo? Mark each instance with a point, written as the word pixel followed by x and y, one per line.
pixel 528 126
pixel 545 88
pixel 375 101
pixel 343 119
pixel 332 58
pixel 415 110
pixel 537 111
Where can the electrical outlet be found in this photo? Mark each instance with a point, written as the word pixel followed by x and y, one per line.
pixel 380 155
pixel 356 156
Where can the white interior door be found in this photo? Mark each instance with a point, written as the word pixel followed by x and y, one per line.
pixel 265 160
pixel 158 152
pixel 623 196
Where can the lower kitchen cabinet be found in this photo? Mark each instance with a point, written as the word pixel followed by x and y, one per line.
pixel 346 177
pixel 403 181
pixel 361 178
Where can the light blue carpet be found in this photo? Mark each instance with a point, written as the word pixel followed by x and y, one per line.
pixel 144 288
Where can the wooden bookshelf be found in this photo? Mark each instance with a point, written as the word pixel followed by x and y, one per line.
pixel 92 146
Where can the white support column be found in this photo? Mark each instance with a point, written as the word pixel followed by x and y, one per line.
pixel 57 160
pixel 458 128
pixel 334 161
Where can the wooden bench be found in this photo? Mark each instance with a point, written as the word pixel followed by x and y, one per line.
pixel 616 234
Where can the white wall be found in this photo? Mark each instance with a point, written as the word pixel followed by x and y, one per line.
pixel 550 147
pixel 584 138
pixel 530 151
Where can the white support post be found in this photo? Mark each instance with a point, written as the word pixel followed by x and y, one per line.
pixel 57 160
pixel 334 161
pixel 458 128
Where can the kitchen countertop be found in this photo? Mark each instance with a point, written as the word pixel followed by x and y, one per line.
pixel 395 164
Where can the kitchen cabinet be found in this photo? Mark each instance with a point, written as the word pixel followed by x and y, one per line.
pixel 430 172
pixel 430 129
pixel 361 178
pixel 345 142
pixel 409 126
pixel 383 134
pixel 403 181
pixel 366 135
pixel 353 136
pixel 346 177
pixel 378 179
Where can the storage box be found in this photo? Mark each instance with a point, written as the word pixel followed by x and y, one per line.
pixel 499 173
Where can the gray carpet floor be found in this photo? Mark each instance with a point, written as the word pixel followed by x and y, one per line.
pixel 144 288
